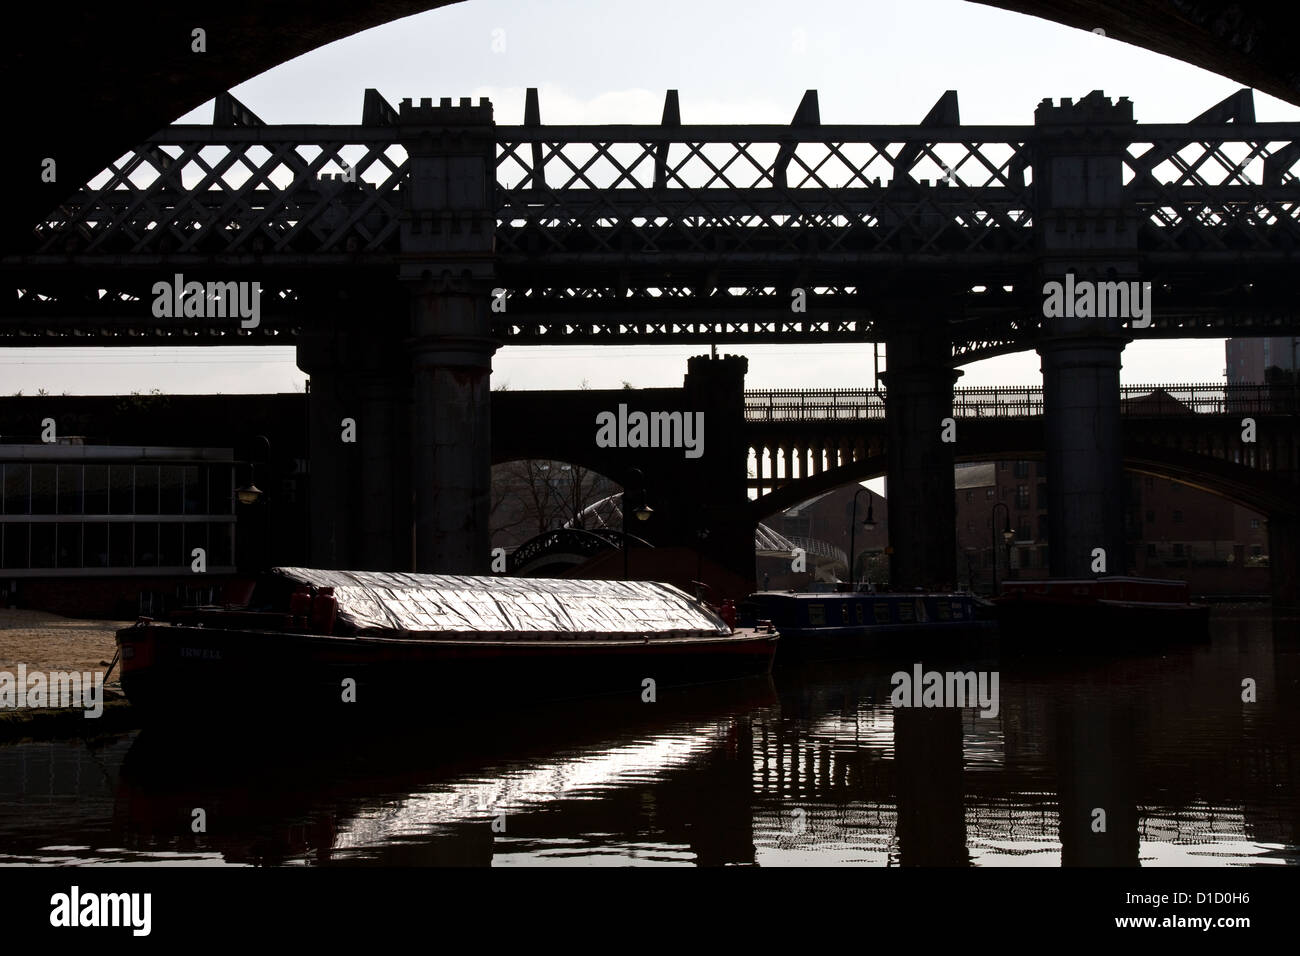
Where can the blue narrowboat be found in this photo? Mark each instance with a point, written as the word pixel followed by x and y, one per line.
pixel 827 625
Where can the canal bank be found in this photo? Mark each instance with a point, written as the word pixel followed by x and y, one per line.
pixel 38 642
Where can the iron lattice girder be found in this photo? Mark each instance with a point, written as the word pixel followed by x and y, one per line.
pixel 599 229
pixel 692 191
pixel 211 191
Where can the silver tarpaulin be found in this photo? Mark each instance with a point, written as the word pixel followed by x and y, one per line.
pixel 391 601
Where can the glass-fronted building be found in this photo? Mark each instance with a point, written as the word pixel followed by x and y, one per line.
pixel 76 510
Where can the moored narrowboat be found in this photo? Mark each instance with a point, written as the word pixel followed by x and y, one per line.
pixel 825 625
pixel 1099 613
pixel 347 642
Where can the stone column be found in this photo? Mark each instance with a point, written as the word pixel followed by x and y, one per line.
pixel 448 230
pixel 1087 233
pixel 921 492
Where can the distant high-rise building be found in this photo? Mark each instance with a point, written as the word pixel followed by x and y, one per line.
pixel 1248 358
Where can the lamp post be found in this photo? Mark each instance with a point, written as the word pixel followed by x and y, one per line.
pixel 701 537
pixel 250 494
pixel 643 510
pixel 1006 536
pixel 869 522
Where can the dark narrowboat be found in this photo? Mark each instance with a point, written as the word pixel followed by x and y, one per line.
pixel 818 625
pixel 344 642
pixel 1099 613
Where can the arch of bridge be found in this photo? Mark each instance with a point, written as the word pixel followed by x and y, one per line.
pixel 1241 484
pixel 561 426
pixel 89 92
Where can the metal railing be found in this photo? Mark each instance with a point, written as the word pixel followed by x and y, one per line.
pixel 819 548
pixel 1025 401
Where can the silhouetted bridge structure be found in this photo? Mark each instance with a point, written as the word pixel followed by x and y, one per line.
pixel 398 254
pixel 772 449
pixel 804 442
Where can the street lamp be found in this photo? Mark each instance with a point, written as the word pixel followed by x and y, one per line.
pixel 869 524
pixel 1007 535
pixel 250 494
pixel 643 510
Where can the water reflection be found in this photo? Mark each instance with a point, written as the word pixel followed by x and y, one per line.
pixel 1144 761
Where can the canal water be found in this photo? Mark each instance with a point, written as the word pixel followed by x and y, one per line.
pixel 1153 761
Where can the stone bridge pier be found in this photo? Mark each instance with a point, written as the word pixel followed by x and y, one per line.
pixel 1088 231
pixel 921 486
pixel 400 405
pixel 358 442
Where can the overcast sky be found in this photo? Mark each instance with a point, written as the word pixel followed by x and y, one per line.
pixel 602 61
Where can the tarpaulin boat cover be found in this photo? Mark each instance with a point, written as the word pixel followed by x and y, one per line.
pixel 391 601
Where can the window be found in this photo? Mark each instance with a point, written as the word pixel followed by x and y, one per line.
pixel 70 490
pixel 121 494
pixel 96 489
pixel 120 545
pixel 1151 551
pixel 69 545
pixel 970 495
pixel 171 490
pixel 1023 533
pixel 988 492
pixel 15 545
pixel 44 487
pixel 18 494
pixel 196 489
pixel 43 545
pixel 1256 551
pixel 1178 550
pixel 1042 494
pixel 146 489
pixel 1178 517
pixel 196 536
pixel 1022 469
pixel 1022 496
pixel 169 545
pixel 221 490
pixel 1042 527
pixel 1002 466
pixel 146 545
pixel 96 545
pixel 1254 524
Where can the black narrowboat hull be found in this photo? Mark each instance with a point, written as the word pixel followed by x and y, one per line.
pixel 1100 626
pixel 207 673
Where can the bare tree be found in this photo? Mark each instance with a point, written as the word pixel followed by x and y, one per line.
pixel 534 496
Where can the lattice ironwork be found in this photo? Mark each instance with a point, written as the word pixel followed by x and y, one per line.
pixel 667 233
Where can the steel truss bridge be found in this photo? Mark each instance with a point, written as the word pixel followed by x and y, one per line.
pixel 671 233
